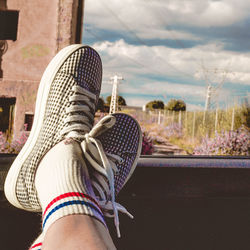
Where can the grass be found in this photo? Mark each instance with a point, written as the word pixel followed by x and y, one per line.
pixel 184 144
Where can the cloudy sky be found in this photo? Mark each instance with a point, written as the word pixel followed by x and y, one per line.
pixel 172 48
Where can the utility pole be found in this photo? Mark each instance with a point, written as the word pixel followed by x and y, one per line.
pixel 208 97
pixel 208 101
pixel 214 79
pixel 114 98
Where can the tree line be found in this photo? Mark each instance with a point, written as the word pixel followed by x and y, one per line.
pixel 103 106
pixel 172 105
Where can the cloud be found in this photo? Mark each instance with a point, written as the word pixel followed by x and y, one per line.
pixel 158 19
pixel 206 13
pixel 166 88
pixel 205 38
pixel 209 61
pixel 158 33
pixel 139 102
pixel 194 107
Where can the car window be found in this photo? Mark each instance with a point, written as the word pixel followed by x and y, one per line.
pixel 181 68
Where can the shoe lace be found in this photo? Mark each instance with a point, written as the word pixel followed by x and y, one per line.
pixel 105 166
pixel 78 127
pixel 81 102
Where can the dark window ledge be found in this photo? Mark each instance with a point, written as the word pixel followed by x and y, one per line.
pixel 195 161
pixel 191 177
pixel 179 203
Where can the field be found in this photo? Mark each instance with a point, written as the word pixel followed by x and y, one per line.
pixel 216 132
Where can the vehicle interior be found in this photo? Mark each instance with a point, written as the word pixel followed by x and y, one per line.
pixel 181 69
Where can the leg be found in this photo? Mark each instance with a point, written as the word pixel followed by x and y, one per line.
pixel 59 183
pixel 77 232
pixel 72 218
pixel 128 157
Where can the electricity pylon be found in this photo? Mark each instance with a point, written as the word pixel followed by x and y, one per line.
pixel 214 78
pixel 214 85
pixel 208 97
pixel 114 98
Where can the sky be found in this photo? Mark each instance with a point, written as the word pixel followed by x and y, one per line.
pixel 172 49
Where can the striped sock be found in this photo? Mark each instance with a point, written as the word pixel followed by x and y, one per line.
pixel 60 186
pixel 37 244
pixel 70 203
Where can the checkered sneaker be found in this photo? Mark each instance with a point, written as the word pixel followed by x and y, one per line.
pixel 66 101
pixel 112 149
pixel 124 139
pixel 114 142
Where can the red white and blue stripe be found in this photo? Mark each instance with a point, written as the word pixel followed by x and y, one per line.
pixel 72 203
pixel 37 246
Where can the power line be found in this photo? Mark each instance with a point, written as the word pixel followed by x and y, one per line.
pixel 141 41
pixel 167 26
pixel 130 58
pixel 93 34
pixel 122 23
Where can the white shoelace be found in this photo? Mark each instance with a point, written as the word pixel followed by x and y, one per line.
pixel 103 163
pixel 82 102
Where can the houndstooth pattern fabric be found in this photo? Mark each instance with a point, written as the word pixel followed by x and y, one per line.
pixel 123 139
pixel 83 67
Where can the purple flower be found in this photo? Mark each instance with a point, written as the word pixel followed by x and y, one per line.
pixel 225 143
pixel 16 144
pixel 147 145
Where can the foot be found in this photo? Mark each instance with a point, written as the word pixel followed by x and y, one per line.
pixel 66 103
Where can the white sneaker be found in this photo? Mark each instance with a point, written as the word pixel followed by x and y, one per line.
pixel 66 102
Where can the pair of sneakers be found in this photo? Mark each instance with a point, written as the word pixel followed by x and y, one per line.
pixel 68 165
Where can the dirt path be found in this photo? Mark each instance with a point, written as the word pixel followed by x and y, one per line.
pixel 166 148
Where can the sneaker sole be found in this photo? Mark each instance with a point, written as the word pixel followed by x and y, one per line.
pixel 43 92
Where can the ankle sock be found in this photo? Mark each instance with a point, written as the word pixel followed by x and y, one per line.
pixel 63 185
pixel 37 244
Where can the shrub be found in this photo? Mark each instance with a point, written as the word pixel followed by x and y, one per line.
pixel 15 145
pixel 147 145
pixel 174 130
pixel 226 143
pixel 4 144
pixel 156 104
pixel 176 105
